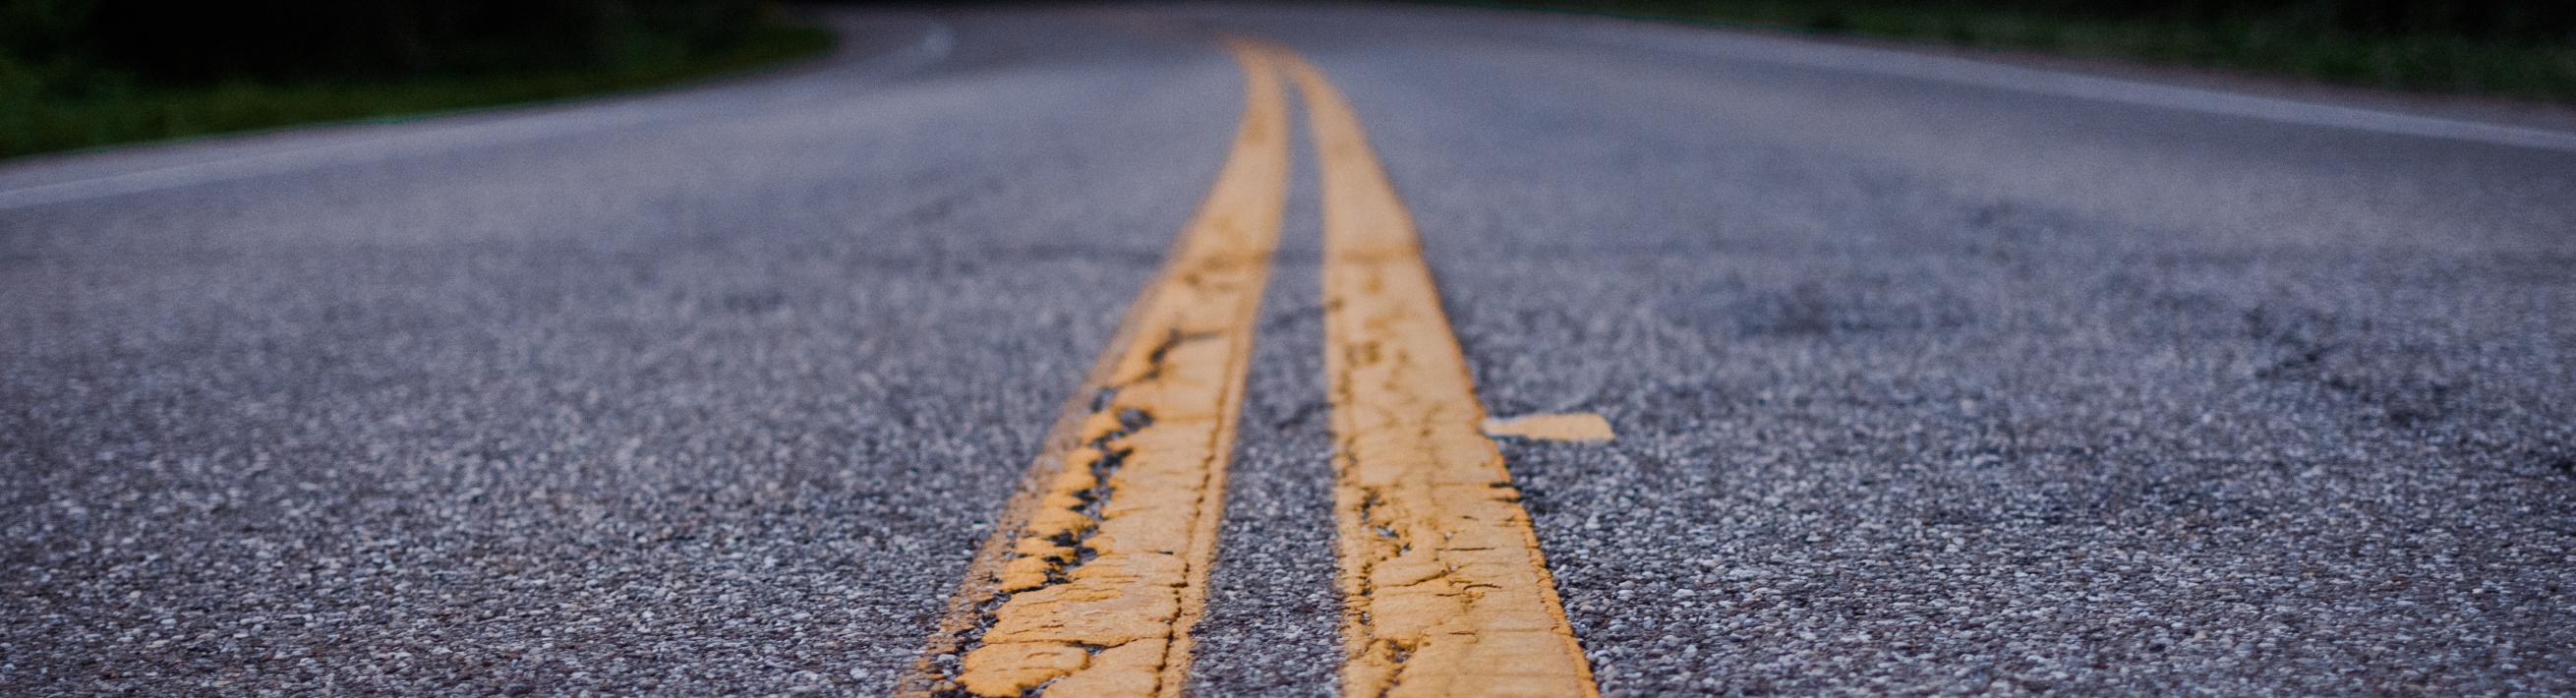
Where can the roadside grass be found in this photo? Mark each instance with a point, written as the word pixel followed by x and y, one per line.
pixel 2280 44
pixel 126 112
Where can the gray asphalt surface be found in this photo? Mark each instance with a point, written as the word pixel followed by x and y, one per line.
pixel 1932 376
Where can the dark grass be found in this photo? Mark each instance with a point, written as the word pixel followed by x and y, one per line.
pixel 2510 61
pixel 125 113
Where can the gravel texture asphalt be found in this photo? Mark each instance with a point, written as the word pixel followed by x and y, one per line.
pixel 1930 376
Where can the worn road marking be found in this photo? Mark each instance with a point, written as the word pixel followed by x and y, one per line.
pixel 1446 591
pixel 1096 573
pixel 1570 426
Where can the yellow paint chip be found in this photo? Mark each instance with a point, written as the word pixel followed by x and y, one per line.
pixel 1573 426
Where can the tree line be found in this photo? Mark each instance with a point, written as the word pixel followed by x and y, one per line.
pixel 292 40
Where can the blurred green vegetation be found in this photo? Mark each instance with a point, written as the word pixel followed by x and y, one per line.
pixel 2509 48
pixel 83 73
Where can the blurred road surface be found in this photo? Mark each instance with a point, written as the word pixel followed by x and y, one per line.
pixel 1927 374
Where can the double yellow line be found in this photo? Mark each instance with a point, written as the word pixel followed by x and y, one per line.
pixel 1098 570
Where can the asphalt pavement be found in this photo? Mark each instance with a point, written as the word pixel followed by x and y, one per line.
pixel 1930 375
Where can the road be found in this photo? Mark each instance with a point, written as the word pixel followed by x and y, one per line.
pixel 1927 375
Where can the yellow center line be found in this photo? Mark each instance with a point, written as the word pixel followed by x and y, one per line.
pixel 1097 570
pixel 1445 590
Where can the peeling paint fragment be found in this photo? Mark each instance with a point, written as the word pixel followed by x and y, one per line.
pixel 1572 426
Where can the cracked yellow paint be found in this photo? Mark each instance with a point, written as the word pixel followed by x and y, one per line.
pixel 1090 584
pixel 1446 593
pixel 1571 426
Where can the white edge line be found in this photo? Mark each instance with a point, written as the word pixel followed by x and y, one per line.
pixel 1965 71
pixel 935 45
